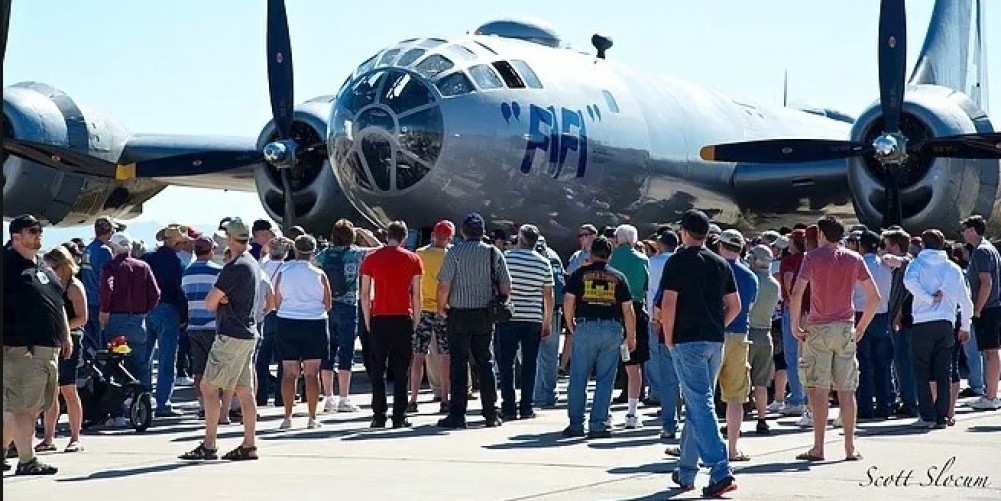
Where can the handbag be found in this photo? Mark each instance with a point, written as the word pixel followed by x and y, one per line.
pixel 500 308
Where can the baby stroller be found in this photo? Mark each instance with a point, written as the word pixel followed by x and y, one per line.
pixel 105 385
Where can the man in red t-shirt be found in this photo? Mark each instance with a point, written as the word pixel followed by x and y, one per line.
pixel 391 315
pixel 795 404
pixel 827 357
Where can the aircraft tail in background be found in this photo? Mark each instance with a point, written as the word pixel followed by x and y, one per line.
pixel 954 54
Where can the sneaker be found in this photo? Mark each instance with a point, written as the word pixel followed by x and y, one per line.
pixel 986 404
pixel 35 467
pixel 168 413
pixel 330 405
pixel 668 435
pixel 494 421
pixel 378 422
pixel 633 422
pixel 571 432
pixel 599 434
pixel 676 478
pixel 720 487
pixel 184 381
pixel 345 405
pixel 969 393
pixel 837 423
pixel 805 421
pixel 402 423
pixel 412 408
pixel 312 424
pixel 793 410
pixel 117 422
pixel 286 424
pixel 776 406
pixel 921 423
pixel 451 423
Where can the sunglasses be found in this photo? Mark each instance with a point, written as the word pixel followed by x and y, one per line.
pixel 34 231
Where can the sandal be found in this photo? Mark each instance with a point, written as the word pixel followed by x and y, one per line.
pixel 809 456
pixel 73 446
pixel 200 453
pixel 35 467
pixel 241 453
pixel 45 447
pixel 740 457
pixel 855 456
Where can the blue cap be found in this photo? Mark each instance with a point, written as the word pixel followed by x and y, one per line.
pixel 474 220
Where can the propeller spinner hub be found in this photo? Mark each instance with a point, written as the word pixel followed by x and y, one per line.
pixel 280 153
pixel 890 148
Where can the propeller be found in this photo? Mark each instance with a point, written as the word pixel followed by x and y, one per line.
pixel 281 153
pixel 890 148
pixel 6 28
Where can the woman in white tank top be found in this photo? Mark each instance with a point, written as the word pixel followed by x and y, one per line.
pixel 303 298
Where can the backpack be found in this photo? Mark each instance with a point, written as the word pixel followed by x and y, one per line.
pixel 333 267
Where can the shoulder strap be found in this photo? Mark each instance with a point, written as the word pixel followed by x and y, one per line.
pixel 493 272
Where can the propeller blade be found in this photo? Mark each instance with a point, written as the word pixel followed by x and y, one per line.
pixel 973 146
pixel 6 27
pixel 777 151
pixel 892 212
pixel 289 216
pixel 280 68
pixel 892 61
pixel 68 159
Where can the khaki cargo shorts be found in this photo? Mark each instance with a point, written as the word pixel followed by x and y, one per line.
pixel 734 371
pixel 827 357
pixel 29 380
pixel 760 356
pixel 230 363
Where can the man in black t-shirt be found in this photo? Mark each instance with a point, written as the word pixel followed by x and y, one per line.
pixel 35 334
pixel 700 299
pixel 596 306
pixel 230 364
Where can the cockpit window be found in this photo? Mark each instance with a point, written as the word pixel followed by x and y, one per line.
pixel 367 65
pixel 510 76
pixel 431 43
pixel 485 46
pixel 410 56
pixel 610 99
pixel 454 85
pixel 459 53
pixel 433 66
pixel 388 57
pixel 404 92
pixel 527 74
pixel 485 77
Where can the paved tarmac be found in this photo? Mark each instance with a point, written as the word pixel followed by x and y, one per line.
pixel 519 461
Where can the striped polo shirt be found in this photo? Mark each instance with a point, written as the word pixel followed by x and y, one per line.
pixel 196 282
pixel 467 270
pixel 530 272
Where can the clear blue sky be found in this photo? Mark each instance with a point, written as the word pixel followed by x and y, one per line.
pixel 198 67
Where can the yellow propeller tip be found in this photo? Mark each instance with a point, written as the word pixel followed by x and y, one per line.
pixel 123 172
pixel 708 153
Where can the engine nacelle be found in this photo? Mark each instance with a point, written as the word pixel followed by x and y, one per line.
pixel 317 198
pixel 38 112
pixel 934 192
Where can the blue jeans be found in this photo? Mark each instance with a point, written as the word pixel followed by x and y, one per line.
pixel 651 368
pixel 342 322
pixel 93 338
pixel 875 358
pixel 670 389
pixel 164 325
pixel 906 386
pixel 595 345
pixel 133 328
pixel 509 336
pixel 266 354
pixel 790 348
pixel 975 362
pixel 698 364
pixel 548 364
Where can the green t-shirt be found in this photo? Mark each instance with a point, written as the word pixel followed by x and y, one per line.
pixel 760 316
pixel 635 266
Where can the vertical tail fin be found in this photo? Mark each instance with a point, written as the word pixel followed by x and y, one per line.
pixel 954 54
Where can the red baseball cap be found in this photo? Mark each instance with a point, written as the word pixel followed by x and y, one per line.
pixel 799 235
pixel 444 228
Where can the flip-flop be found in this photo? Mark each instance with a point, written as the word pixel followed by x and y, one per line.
pixel 809 456
pixel 855 456
pixel 73 447
pixel 740 458
pixel 44 447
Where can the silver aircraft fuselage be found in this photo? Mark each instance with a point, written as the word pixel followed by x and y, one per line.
pixel 526 133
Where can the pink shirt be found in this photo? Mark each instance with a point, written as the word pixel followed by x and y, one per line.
pixel 832 273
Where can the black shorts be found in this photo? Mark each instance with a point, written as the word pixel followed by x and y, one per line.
pixel 299 340
pixel 780 362
pixel 69 368
pixel 642 352
pixel 199 345
pixel 987 328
